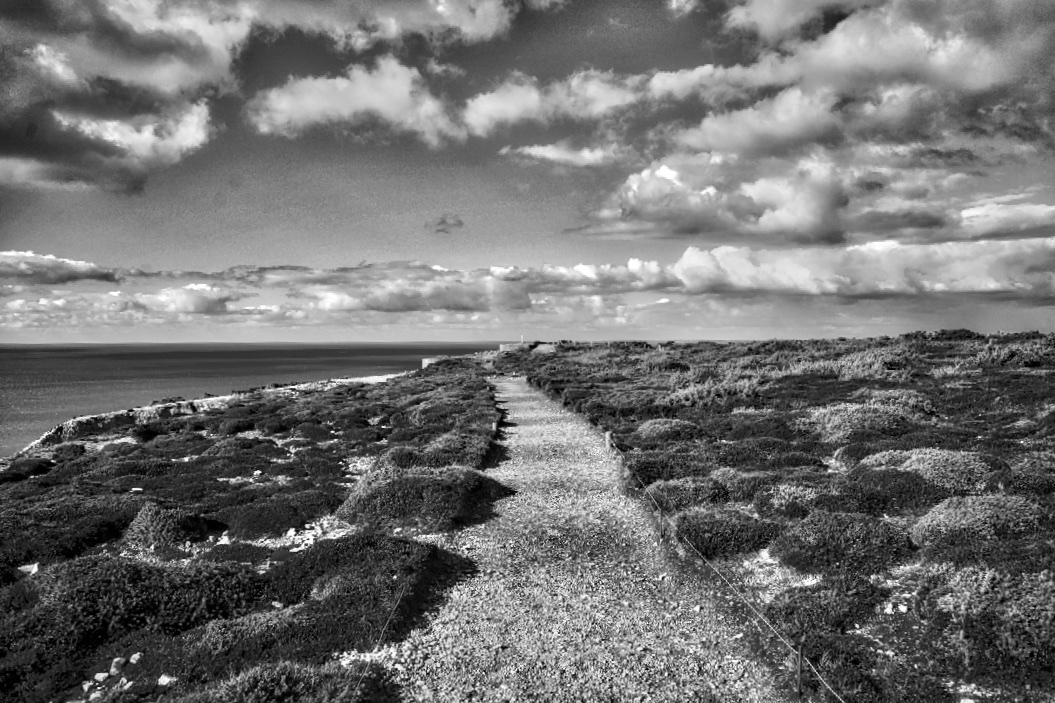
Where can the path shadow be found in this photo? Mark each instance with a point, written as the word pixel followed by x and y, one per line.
pixel 481 505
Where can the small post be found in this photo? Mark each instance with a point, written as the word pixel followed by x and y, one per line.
pixel 798 672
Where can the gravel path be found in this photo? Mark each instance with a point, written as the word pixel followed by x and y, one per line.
pixel 573 601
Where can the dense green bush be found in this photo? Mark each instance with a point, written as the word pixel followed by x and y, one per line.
pixel 183 444
pixel 661 431
pixel 21 469
pixel 958 472
pixel 824 607
pixel 242 552
pixel 67 452
pixel 717 532
pixel 233 426
pixel 882 491
pixel 1021 480
pixel 967 519
pixel 841 543
pixel 790 500
pixel 848 422
pixel 681 493
pixel 432 501
pixel 682 461
pixel 288 682
pixel 155 526
pixel 847 663
pixel 278 513
pixel 999 620
pixel 313 431
pixel 743 485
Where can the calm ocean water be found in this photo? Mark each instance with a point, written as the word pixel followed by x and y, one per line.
pixel 41 387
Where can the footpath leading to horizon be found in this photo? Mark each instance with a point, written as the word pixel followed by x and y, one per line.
pixel 572 601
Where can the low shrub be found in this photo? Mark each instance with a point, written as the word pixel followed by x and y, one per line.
pixel 663 430
pixel 1022 481
pixel 790 500
pixel 1001 621
pixel 841 544
pixel 147 431
pixel 427 501
pixel 967 519
pixel 180 445
pixel 846 422
pixel 896 398
pixel 648 466
pixel 233 426
pixel 824 607
pixel 882 491
pixel 155 526
pixel 273 425
pixel 241 552
pixel 96 597
pixel 278 513
pixel 21 469
pixel 313 431
pixel 716 532
pixel 681 493
pixel 289 682
pixel 847 663
pixel 67 452
pixel 957 472
pixel 743 485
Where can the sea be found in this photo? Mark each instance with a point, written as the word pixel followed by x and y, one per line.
pixel 42 386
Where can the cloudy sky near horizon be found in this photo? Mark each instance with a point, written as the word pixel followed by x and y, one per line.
pixel 324 170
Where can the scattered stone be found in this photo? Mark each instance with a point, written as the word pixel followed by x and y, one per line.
pixel 116 665
pixel 86 685
pixel 166 680
pixel 134 659
pixel 101 676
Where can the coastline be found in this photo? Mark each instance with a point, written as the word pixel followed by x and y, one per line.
pixel 99 422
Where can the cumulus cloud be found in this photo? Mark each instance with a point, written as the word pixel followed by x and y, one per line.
pixel 363 23
pixel 588 295
pixel 707 194
pixel 585 95
pixel 774 19
pixel 903 100
pixel 101 93
pixel 390 92
pixel 775 125
pixel 30 268
pixel 564 154
pixel 1022 267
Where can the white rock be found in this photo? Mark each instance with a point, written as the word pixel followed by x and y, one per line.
pixel 166 680
pixel 86 685
pixel 101 676
pixel 903 608
pixel 116 665
pixel 134 659
pixel 30 569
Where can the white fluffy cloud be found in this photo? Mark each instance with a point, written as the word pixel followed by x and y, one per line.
pixel 1021 267
pixel 585 95
pixel 31 268
pixel 566 155
pixel 790 119
pixel 146 141
pixel 390 92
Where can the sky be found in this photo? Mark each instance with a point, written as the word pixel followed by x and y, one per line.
pixel 393 170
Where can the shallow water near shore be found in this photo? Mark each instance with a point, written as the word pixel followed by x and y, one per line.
pixel 42 386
